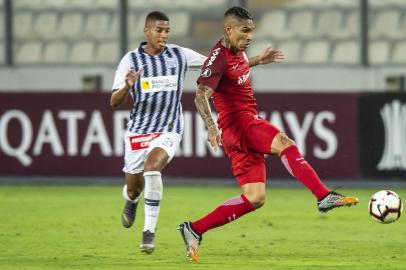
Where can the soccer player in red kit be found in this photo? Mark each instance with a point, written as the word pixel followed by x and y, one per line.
pixel 245 137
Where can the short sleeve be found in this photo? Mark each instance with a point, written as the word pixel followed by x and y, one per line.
pixel 194 59
pixel 213 69
pixel 123 67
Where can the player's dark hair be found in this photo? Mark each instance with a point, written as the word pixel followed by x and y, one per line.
pixel 156 16
pixel 239 13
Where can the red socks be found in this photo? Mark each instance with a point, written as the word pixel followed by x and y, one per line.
pixel 230 210
pixel 301 170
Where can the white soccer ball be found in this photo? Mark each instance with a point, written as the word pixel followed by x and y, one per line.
pixel 385 206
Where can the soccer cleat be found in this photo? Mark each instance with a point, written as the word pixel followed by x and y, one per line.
pixel 147 244
pixel 333 200
pixel 128 214
pixel 192 241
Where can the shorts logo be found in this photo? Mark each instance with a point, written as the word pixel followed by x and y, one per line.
pixel 168 142
pixel 143 141
pixel 205 72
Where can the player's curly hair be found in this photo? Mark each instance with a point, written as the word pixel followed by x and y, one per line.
pixel 238 12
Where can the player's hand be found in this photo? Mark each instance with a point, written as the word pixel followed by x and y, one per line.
pixel 132 76
pixel 269 55
pixel 214 137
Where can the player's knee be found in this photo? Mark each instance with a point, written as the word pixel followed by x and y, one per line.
pixel 257 200
pixel 153 164
pixel 283 142
pixel 133 192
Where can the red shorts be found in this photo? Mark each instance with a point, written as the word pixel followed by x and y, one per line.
pixel 246 147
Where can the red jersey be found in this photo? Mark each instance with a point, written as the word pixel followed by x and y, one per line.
pixel 228 74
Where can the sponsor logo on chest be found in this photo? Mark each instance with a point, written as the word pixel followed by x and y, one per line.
pixel 243 78
pixel 159 83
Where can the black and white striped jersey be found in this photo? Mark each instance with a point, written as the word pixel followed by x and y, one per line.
pixel 157 93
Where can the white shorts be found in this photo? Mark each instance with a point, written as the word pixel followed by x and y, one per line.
pixel 138 146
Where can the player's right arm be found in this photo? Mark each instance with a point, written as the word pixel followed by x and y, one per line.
pixel 212 72
pixel 203 94
pixel 119 95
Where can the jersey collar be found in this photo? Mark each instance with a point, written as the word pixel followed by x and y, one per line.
pixel 144 44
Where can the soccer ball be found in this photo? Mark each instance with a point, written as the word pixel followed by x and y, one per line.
pixel 385 206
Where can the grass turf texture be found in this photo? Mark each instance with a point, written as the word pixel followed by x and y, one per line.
pixel 79 228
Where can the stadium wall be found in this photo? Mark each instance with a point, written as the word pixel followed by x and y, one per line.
pixel 276 78
pixel 344 136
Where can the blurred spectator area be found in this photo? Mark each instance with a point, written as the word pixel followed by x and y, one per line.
pixel 85 32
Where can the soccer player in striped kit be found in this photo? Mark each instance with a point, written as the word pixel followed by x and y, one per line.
pixel 154 75
pixel 245 137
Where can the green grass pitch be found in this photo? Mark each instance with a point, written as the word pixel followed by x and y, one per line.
pixel 65 227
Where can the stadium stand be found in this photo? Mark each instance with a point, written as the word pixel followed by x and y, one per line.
pixel 308 31
pixel 82 52
pixel 316 52
pixel 107 52
pixel 45 25
pixel 2 58
pixel 55 52
pixel 291 49
pixel 399 53
pixel 29 53
pixel 345 52
pixel 71 25
pixel 379 52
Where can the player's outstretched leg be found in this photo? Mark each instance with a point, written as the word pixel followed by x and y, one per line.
pixel 130 209
pixel 303 171
pixel 148 242
pixel 192 240
pixel 333 200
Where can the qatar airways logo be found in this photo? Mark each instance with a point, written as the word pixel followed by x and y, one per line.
pixel 311 124
pixel 34 139
pixel 242 79
pixel 394 121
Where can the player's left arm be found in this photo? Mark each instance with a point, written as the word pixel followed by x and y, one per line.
pixel 267 56
pixel 194 59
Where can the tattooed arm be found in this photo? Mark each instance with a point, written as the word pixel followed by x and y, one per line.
pixel 203 94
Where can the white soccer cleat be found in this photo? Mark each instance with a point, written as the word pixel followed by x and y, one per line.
pixel 333 200
pixel 192 241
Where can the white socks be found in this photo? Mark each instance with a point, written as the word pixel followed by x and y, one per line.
pixel 152 199
pixel 125 195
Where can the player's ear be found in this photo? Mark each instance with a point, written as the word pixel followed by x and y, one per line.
pixel 227 29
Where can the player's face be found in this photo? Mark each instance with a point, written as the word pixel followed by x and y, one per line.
pixel 240 34
pixel 157 34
